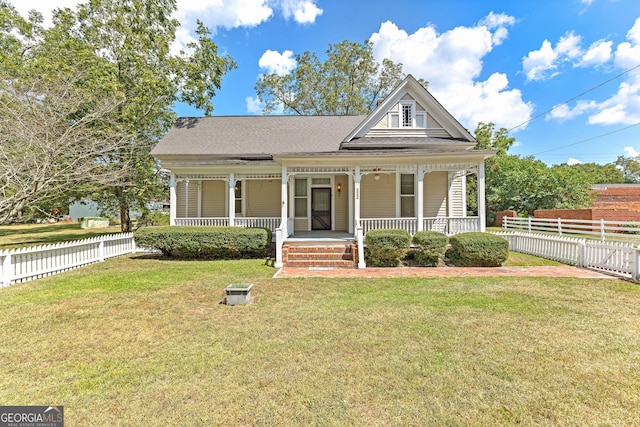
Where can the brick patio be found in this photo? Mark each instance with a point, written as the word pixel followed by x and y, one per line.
pixel 373 272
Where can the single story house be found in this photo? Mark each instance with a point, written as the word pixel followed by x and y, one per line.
pixel 402 166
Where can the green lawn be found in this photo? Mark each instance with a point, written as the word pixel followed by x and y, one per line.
pixel 20 235
pixel 137 341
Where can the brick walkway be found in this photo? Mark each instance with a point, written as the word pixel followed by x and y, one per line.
pixel 373 272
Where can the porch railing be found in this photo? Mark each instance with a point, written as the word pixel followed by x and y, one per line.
pixel 263 222
pixel 445 225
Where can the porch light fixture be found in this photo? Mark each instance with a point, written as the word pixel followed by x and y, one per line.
pixel 339 187
pixel 376 177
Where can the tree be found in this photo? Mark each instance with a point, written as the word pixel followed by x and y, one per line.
pixel 525 184
pixel 122 49
pixel 594 173
pixel 629 167
pixel 54 138
pixel 348 82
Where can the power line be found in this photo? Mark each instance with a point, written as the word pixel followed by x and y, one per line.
pixel 574 98
pixel 588 139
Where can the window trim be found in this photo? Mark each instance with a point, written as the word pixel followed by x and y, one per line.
pixel 408 195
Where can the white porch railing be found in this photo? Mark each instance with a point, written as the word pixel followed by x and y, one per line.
pixel 281 234
pixel 445 225
pixel 203 222
pixel 619 257
pixel 23 264
pixel 263 222
pixel 409 224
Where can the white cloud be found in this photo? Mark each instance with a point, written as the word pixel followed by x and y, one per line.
pixel 226 14
pixel 543 63
pixel 573 161
pixel 451 62
pixel 302 11
pixel 631 152
pixel 563 112
pixel 274 62
pixel 597 54
pixel 254 106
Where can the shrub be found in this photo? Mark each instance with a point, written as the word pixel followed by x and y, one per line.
pixel 430 246
pixel 206 242
pixel 477 250
pixel 387 246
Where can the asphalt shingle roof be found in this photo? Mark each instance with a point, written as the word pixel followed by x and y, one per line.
pixel 246 136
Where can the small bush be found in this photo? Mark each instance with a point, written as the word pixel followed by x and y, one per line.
pixel 477 250
pixel 430 246
pixel 206 242
pixel 387 247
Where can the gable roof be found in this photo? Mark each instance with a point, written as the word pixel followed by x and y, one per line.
pixel 413 87
pixel 255 136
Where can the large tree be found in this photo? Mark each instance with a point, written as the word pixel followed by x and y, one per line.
pixel 122 48
pixel 348 82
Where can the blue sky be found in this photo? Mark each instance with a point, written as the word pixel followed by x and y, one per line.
pixel 508 62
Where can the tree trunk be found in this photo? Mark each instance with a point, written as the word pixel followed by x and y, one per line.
pixel 123 203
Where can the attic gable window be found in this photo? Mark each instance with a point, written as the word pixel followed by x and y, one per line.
pixel 406 116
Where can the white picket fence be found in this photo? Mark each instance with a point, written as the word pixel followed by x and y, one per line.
pixel 610 230
pixel 617 257
pixel 24 264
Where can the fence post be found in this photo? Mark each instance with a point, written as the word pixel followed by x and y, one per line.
pixel 7 269
pixel 133 244
pixel 529 224
pixel 504 223
pixel 101 250
pixel 559 227
pixel 582 247
pixel 602 229
pixel 635 267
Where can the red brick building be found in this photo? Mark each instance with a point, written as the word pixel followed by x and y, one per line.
pixel 613 202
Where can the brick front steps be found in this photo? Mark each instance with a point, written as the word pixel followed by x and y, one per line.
pixel 319 254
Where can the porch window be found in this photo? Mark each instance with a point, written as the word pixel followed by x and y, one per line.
pixel 407 195
pixel 238 197
pixel 300 196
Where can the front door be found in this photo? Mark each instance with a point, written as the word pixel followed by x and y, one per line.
pixel 321 208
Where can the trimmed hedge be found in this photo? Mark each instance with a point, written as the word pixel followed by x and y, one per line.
pixel 430 246
pixel 387 247
pixel 206 242
pixel 477 250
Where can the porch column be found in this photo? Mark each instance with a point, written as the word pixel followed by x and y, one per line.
pixel 173 208
pixel 482 209
pixel 350 229
pixel 420 199
pixel 284 209
pixel 232 199
pixel 356 197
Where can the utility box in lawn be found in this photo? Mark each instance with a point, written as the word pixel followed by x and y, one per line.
pixel 238 293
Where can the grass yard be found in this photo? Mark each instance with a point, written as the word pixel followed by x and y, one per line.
pixel 138 341
pixel 21 235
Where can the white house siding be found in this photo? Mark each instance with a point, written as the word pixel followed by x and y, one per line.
pixel 213 199
pixel 457 199
pixel 341 201
pixel 262 198
pixel 182 210
pixel 378 197
pixel 435 194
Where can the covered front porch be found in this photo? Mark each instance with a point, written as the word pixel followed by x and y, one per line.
pixel 308 200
